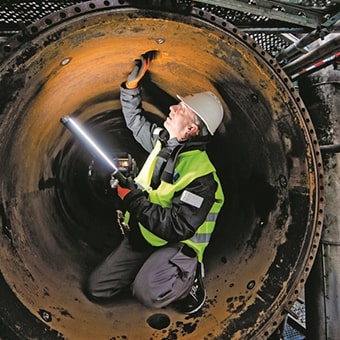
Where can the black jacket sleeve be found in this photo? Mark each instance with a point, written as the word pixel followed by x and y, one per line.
pixel 182 219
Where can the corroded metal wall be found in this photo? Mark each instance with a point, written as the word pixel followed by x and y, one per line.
pixel 56 224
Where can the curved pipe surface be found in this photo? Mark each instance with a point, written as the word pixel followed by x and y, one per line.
pixel 57 224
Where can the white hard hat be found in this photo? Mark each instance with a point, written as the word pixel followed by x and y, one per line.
pixel 207 106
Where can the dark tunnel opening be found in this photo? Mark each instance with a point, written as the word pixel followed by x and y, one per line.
pixel 58 222
pixel 84 194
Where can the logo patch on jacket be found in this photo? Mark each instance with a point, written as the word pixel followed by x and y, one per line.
pixel 191 199
pixel 176 176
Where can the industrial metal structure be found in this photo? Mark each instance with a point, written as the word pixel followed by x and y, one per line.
pixel 273 265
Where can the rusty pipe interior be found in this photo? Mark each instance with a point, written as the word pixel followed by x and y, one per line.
pixel 57 224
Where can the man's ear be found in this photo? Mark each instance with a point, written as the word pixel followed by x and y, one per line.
pixel 193 129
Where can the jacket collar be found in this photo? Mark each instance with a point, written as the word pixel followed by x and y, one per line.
pixel 172 147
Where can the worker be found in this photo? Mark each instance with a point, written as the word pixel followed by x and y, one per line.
pixel 171 206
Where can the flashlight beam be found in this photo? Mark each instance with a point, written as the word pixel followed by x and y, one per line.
pixel 73 126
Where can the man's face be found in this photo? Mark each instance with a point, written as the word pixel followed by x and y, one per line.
pixel 180 122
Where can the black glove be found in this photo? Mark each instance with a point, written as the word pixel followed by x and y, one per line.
pixel 125 187
pixel 141 66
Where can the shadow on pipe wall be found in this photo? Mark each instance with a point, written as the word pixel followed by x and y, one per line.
pixel 57 224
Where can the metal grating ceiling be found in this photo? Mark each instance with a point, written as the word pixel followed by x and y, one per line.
pixel 271 43
pixel 12 12
pixel 26 12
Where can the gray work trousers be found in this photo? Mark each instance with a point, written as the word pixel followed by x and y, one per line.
pixel 156 277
